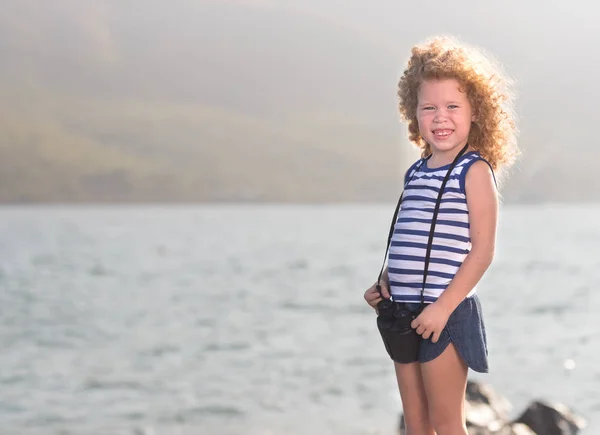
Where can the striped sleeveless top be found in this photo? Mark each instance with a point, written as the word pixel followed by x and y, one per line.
pixel 451 241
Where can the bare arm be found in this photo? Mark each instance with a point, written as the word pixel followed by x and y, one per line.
pixel 482 202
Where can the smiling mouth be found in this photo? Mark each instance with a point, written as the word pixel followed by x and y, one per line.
pixel 441 134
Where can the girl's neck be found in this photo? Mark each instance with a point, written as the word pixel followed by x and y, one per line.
pixel 444 158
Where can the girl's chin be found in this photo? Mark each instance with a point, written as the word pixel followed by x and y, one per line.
pixel 445 144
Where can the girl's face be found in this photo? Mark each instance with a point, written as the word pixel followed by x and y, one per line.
pixel 444 115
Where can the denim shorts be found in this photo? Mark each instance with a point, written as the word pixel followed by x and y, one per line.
pixel 465 329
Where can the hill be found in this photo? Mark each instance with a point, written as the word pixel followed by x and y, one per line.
pixel 246 101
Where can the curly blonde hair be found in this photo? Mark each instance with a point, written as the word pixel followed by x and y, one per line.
pixel 494 132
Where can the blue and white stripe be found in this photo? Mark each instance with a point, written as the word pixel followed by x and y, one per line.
pixel 451 242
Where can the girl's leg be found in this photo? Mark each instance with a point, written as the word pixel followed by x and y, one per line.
pixel 414 400
pixel 445 381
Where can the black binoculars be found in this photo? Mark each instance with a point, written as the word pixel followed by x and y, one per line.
pixel 400 339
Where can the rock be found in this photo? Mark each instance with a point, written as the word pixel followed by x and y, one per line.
pixel 486 410
pixel 507 429
pixel 515 429
pixel 487 413
pixel 482 415
pixel 546 419
pixel 484 393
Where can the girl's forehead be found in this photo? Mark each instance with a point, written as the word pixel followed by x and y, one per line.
pixel 431 88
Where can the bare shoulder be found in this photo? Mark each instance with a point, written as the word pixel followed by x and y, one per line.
pixel 480 183
pixel 480 170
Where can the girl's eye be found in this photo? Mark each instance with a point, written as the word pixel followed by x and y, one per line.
pixel 452 106
pixel 428 108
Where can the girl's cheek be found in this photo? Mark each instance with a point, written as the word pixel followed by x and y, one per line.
pixel 423 118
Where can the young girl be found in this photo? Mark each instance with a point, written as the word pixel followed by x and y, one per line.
pixel 453 97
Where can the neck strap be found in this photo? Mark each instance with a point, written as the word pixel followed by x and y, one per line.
pixel 433 221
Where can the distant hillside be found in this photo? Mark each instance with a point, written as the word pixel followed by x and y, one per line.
pixel 218 101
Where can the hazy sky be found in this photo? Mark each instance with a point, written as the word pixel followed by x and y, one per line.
pixel 301 82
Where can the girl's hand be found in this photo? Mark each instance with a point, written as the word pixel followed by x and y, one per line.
pixel 372 295
pixel 431 321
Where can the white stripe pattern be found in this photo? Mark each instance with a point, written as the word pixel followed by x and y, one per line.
pixel 451 242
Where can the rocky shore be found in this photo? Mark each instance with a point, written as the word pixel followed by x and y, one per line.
pixel 488 414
